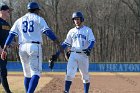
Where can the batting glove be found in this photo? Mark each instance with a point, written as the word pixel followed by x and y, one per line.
pixel 87 51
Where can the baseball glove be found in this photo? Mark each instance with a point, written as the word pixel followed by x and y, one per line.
pixel 52 60
pixel 67 55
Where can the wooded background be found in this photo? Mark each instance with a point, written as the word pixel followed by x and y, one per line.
pixel 115 24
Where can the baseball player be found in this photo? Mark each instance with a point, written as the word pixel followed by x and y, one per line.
pixel 4 31
pixel 29 29
pixel 81 40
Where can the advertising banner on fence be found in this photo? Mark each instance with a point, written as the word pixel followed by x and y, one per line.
pixel 93 67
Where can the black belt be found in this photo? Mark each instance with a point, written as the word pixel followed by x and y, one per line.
pixel 76 51
pixel 36 42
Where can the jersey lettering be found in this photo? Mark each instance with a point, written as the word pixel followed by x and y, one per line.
pixel 80 36
pixel 28 26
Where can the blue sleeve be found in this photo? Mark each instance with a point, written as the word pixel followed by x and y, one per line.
pixel 91 45
pixel 63 45
pixel 50 34
pixel 9 39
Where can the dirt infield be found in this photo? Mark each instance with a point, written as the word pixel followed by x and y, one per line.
pixel 100 83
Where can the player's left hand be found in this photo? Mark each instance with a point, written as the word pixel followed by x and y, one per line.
pixel 87 51
pixel 3 55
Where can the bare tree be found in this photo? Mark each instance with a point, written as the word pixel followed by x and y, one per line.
pixel 115 24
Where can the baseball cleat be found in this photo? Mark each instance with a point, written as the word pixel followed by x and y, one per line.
pixel 65 92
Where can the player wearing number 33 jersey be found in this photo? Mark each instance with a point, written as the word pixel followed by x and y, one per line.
pixel 29 29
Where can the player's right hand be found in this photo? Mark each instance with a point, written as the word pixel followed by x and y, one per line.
pixel 3 55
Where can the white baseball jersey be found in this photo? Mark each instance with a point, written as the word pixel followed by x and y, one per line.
pixel 79 38
pixel 29 28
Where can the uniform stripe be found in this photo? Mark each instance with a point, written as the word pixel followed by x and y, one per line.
pixel 45 29
pixel 14 33
pixel 67 44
